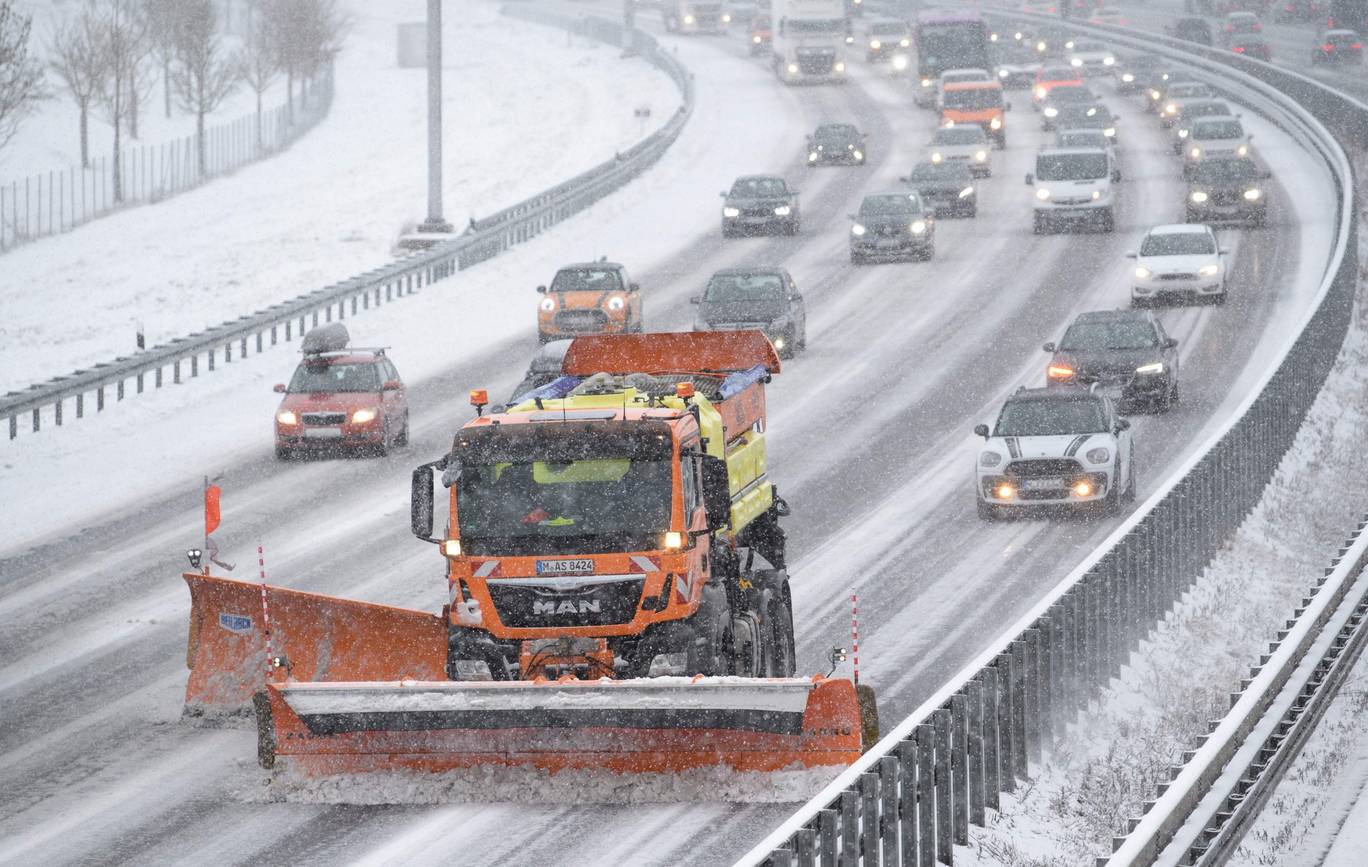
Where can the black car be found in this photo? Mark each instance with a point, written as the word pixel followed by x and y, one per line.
pixel 1227 190
pixel 946 188
pixel 1126 351
pixel 1156 89
pixel 1192 30
pixel 1060 97
pixel 892 226
pixel 545 368
pixel 1338 46
pixel 1134 73
pixel 764 299
pixel 836 143
pixel 759 203
pixel 1086 116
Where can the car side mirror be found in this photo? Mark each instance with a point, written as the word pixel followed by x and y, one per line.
pixel 1224 251
pixel 1131 255
pixel 541 290
pixel 392 385
pixel 716 492
pixel 1049 347
pixel 279 388
pixel 1170 342
pixel 695 299
pixel 633 287
pixel 1122 424
pixel 981 430
pixel 1030 180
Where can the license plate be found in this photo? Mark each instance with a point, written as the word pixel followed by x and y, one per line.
pixel 887 244
pixel 323 433
pixel 565 567
pixel 1042 484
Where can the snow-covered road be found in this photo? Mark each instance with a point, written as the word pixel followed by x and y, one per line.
pixel 870 442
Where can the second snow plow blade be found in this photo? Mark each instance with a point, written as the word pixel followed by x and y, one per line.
pixel 323 638
pixel 661 725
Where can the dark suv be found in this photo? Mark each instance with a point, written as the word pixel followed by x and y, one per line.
pixel 836 143
pixel 945 188
pixel 1227 191
pixel 764 299
pixel 892 226
pixel 759 203
pixel 1125 351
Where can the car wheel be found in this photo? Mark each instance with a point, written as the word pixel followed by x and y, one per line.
pixel 1219 300
pixel 1190 217
pixel 1111 504
pixel 1129 495
pixel 1258 220
pixel 403 437
pixel 1108 222
pixel 791 228
pixel 929 253
pixel 1040 224
pixel 801 344
pixel 971 212
pixel 988 511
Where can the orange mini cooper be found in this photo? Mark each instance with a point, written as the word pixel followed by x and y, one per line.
pixel 590 298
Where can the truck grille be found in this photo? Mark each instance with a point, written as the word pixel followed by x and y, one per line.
pixel 324 418
pixel 609 603
pixel 815 62
pixel 1038 468
pixel 581 320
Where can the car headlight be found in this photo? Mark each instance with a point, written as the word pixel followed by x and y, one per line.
pixel 840 66
pixel 1152 368
pixel 1171 108
pixel 859 155
pixel 1242 151
pixel 1252 195
pixel 1042 194
pixel 990 459
pixel 900 62
pixel 755 39
pixel 782 211
pixel 1198 197
pixel 1002 73
pixel 1195 153
pixel 905 43
pixel 287 417
pixel 966 192
pixel 1076 62
pixel 731 212
pixel 361 416
pixel 980 155
pixel 1098 455
pixel 918 227
pixel 926 82
pixel 1096 194
pixel 1127 77
pixel 936 157
pixel 857 230
pixel 875 44
pixel 548 304
pixel 995 123
pixel 1108 61
pixel 1154 95
pixel 1109 132
pixel 1209 270
pixel 1182 133
pixel 1143 273
pixel 1051 111
pixel 812 157
pixel 793 68
pixel 1040 92
pixel 778 343
pixel 688 19
pixel 726 18
pixel 616 303
pixel 1041 46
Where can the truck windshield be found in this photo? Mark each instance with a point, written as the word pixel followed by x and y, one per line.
pixel 1071 167
pixel 331 378
pixel 801 27
pixel 1045 418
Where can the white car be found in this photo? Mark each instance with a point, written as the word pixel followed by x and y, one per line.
pixel 1189 111
pixel 1182 260
pixel 1091 58
pixel 1073 186
pixel 1089 138
pixel 1176 93
pixel 1215 137
pixel 958 76
pixel 967 143
pixel 1053 447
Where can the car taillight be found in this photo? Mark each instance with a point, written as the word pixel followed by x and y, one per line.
pixel 1239 49
pixel 1327 48
pixel 1357 46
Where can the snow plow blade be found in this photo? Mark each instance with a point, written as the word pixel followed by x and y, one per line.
pixel 651 725
pixel 321 638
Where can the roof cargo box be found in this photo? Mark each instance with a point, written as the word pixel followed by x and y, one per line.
pixel 326 338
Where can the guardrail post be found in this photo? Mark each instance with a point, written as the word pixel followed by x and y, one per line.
pixel 888 811
pixel 14 426
pixel 1031 679
pixel 1068 661
pixel 194 365
pixel 1020 747
pixel 805 844
pixel 781 858
pixel 926 771
pixel 80 405
pixel 35 420
pixel 212 352
pixel 826 821
pixel 870 798
pixel 1007 744
pixel 907 802
pixel 850 829
pixel 959 767
pixel 992 755
pixel 56 416
pixel 973 691
pixel 940 722
pixel 1046 692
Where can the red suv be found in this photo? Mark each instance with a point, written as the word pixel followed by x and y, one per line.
pixel 340 397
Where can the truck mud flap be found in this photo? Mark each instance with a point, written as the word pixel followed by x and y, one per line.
pixel 651 725
pixel 321 638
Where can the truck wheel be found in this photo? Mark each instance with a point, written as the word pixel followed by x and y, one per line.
pixel 284 453
pixel 711 651
pixel 748 646
pixel 780 655
pixel 1108 222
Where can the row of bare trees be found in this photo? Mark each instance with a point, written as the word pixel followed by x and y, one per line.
pixel 21 75
pixel 109 55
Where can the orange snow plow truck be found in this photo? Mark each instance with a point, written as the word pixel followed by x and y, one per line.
pixel 617 594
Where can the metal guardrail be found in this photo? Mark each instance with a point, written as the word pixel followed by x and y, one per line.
pixel 913 795
pixel 484 239
pixel 1210 801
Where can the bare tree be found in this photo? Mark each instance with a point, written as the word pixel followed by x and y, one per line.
pixel 124 34
pixel 203 75
pixel 141 80
pixel 307 34
pixel 258 64
pixel 78 59
pixel 325 29
pixel 161 18
pixel 21 75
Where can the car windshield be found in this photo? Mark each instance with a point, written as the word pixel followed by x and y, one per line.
pixel 1189 91
pixel 1089 47
pixel 1084 115
pixel 889 28
pixel 1044 418
pixel 1061 95
pixel 942 173
pixel 893 204
pixel 745 287
pixel 758 187
pixel 1081 139
pixel 1204 109
pixel 1177 244
pixel 1071 167
pixel 973 99
pixel 586 280
pixel 1217 171
pixel 1114 334
pixel 835 132
pixel 1218 129
pixel 959 135
pixel 329 378
pixel 1058 73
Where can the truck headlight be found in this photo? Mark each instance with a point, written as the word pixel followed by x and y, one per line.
pixel 1076 62
pixel 905 43
pixel 688 19
pixel 966 192
pixel 793 68
pixel 616 303
pixel 1127 77
pixel 980 156
pixel 1209 270
pixel 1143 273
pixel 1109 132
pixel 1002 73
pixel 1242 151
pixel 726 17
pixel 926 82
pixel 1040 92
pixel 1042 194
pixel 674 540
pixel 1149 370
pixel 1252 195
pixel 1195 153
pixel 1096 194
pixel 840 66
pixel 1051 111
pixel 875 44
pixel 756 39
pixel 452 547
pixel 287 417
pixel 917 227
pixel 859 155
pixel 812 157
pixel 995 123
pixel 1098 455
pixel 782 211
pixel 731 212
pixel 936 157
pixel 1198 196
pixel 1182 133
pixel 857 230
pixel 361 416
pixel 990 459
pixel 547 304
pixel 1108 61
pixel 900 62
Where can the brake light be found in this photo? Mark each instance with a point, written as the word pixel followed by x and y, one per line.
pixel 1258 27
pixel 1328 48
pixel 1239 49
pixel 1357 46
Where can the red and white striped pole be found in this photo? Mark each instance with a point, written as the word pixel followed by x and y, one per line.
pixel 855 634
pixel 265 609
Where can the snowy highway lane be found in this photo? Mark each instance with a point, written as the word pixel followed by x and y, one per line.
pixel 870 443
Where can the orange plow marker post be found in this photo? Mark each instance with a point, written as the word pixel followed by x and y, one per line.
pixel 322 638
pixel 661 725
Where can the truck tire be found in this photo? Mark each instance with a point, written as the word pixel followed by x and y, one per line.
pixel 711 652
pixel 780 654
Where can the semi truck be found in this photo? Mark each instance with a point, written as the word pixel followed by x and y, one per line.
pixel 694 16
pixel 809 40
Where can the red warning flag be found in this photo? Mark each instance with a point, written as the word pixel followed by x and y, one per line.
pixel 212 495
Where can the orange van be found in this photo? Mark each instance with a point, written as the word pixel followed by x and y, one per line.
pixel 977 102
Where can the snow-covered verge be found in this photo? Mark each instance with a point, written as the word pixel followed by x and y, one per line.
pixel 1114 757
pixel 516 94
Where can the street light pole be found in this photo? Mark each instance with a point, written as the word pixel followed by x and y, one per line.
pixel 435 221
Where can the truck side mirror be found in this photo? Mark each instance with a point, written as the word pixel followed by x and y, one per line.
pixel 279 388
pixel 541 290
pixel 421 502
pixel 1170 342
pixel 634 287
pixel 1049 347
pixel 1030 180
pixel 716 492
